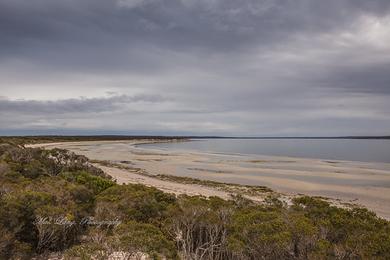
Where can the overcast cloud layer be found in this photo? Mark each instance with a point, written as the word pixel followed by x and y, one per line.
pixel 195 67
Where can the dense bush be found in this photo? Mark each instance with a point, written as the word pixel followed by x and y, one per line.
pixel 133 202
pixel 35 189
pixel 95 183
pixel 127 240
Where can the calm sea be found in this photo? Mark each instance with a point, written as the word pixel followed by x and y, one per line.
pixel 365 150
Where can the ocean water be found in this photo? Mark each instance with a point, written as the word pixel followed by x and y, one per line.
pixel 364 150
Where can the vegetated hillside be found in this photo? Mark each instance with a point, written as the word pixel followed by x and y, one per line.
pixel 55 201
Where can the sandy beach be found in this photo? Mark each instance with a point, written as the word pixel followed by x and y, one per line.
pixel 362 183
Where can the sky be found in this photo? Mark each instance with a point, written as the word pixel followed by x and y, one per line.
pixel 195 67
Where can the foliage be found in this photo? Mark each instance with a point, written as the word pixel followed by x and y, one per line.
pixel 133 202
pixel 33 188
pixel 260 233
pixel 200 227
pixel 136 237
pixel 95 183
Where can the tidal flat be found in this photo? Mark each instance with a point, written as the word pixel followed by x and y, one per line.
pixel 362 183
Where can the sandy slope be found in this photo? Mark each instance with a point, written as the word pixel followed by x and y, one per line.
pixel 125 176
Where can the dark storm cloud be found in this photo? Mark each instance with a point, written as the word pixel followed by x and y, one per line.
pixel 223 66
pixel 182 24
pixel 373 78
pixel 80 105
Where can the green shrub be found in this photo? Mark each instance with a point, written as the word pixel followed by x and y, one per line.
pixel 95 183
pixel 259 233
pixel 133 202
pixel 86 251
pixel 136 237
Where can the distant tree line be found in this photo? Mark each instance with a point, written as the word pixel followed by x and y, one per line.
pixel 22 140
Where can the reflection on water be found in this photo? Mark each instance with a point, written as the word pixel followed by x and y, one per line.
pixel 365 150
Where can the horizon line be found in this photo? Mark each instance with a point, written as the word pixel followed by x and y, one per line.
pixel 209 136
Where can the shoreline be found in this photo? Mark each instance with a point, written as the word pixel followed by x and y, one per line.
pixel 191 150
pixel 281 157
pixel 288 176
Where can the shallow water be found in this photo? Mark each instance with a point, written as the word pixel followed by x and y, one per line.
pixel 365 150
pixel 239 161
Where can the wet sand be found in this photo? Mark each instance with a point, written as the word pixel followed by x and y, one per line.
pixel 362 183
